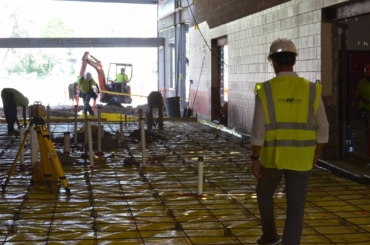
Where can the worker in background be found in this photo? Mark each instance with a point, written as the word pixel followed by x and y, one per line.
pixel 155 99
pixel 12 98
pixel 86 82
pixel 122 80
pixel 288 135
pixel 363 93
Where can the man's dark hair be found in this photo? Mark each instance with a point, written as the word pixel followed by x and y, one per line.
pixel 284 58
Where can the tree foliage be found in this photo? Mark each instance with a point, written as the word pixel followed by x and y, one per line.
pixel 40 61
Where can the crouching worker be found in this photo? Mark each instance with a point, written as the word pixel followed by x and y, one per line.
pixel 155 99
pixel 86 82
pixel 12 98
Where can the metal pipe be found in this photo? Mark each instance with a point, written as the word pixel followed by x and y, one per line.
pixel 34 150
pixel 140 117
pixel 85 131
pixel 67 140
pixel 99 129
pixel 75 125
pixel 200 175
pixel 91 153
pixel 140 114
pixel 142 132
pixel 48 117
pixel 121 132
pixel 21 136
pixel 125 120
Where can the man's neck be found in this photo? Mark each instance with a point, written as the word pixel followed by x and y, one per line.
pixel 285 68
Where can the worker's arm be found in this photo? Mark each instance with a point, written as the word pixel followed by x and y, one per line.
pixel 365 100
pixel 93 83
pixel 24 116
pixel 322 131
pixel 318 151
pixel 125 78
pixel 256 164
pixel 258 136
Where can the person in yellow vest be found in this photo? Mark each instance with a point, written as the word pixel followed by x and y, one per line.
pixel 86 82
pixel 12 98
pixel 363 93
pixel 122 80
pixel 289 131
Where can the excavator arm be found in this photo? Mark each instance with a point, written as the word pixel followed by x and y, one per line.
pixel 94 62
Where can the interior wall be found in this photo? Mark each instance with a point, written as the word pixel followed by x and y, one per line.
pixel 249 39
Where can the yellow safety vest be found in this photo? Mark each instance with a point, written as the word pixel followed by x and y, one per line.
pixel 122 78
pixel 290 104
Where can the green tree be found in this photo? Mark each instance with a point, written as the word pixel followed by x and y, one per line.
pixel 55 27
pixel 41 61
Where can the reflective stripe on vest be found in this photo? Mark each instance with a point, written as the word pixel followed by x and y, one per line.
pixel 309 125
pixel 292 143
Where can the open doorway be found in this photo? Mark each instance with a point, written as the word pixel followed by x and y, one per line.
pixel 357 57
pixel 220 81
pixel 351 44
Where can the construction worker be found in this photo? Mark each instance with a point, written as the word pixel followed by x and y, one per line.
pixel 122 80
pixel 155 99
pixel 363 93
pixel 288 135
pixel 12 98
pixel 86 82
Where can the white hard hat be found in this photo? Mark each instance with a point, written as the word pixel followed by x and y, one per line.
pixel 282 45
pixel 87 76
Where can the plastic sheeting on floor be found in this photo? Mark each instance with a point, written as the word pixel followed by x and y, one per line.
pixel 117 204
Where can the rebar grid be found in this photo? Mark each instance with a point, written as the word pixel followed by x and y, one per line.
pixel 116 204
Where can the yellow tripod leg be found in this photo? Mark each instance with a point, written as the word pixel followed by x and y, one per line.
pixel 3 186
pixel 44 137
pixel 44 157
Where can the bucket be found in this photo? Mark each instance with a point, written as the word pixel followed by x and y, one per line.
pixel 172 106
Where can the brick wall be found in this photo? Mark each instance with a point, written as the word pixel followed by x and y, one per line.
pixel 249 39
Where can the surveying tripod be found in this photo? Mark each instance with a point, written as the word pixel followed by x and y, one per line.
pixel 47 151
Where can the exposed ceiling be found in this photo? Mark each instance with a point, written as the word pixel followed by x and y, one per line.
pixel 117 1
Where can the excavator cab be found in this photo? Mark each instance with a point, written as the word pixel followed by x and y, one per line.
pixel 119 83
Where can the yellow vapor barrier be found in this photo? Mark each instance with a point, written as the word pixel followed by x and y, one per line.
pixel 113 117
pixel 118 204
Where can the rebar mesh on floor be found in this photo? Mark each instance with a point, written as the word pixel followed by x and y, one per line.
pixel 117 204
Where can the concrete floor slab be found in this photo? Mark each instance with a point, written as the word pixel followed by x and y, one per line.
pixel 159 204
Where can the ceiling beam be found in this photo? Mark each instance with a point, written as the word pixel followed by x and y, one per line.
pixel 347 11
pixel 81 42
pixel 116 1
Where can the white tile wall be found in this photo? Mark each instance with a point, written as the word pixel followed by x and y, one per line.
pixel 249 40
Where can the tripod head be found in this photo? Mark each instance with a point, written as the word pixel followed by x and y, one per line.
pixel 37 112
